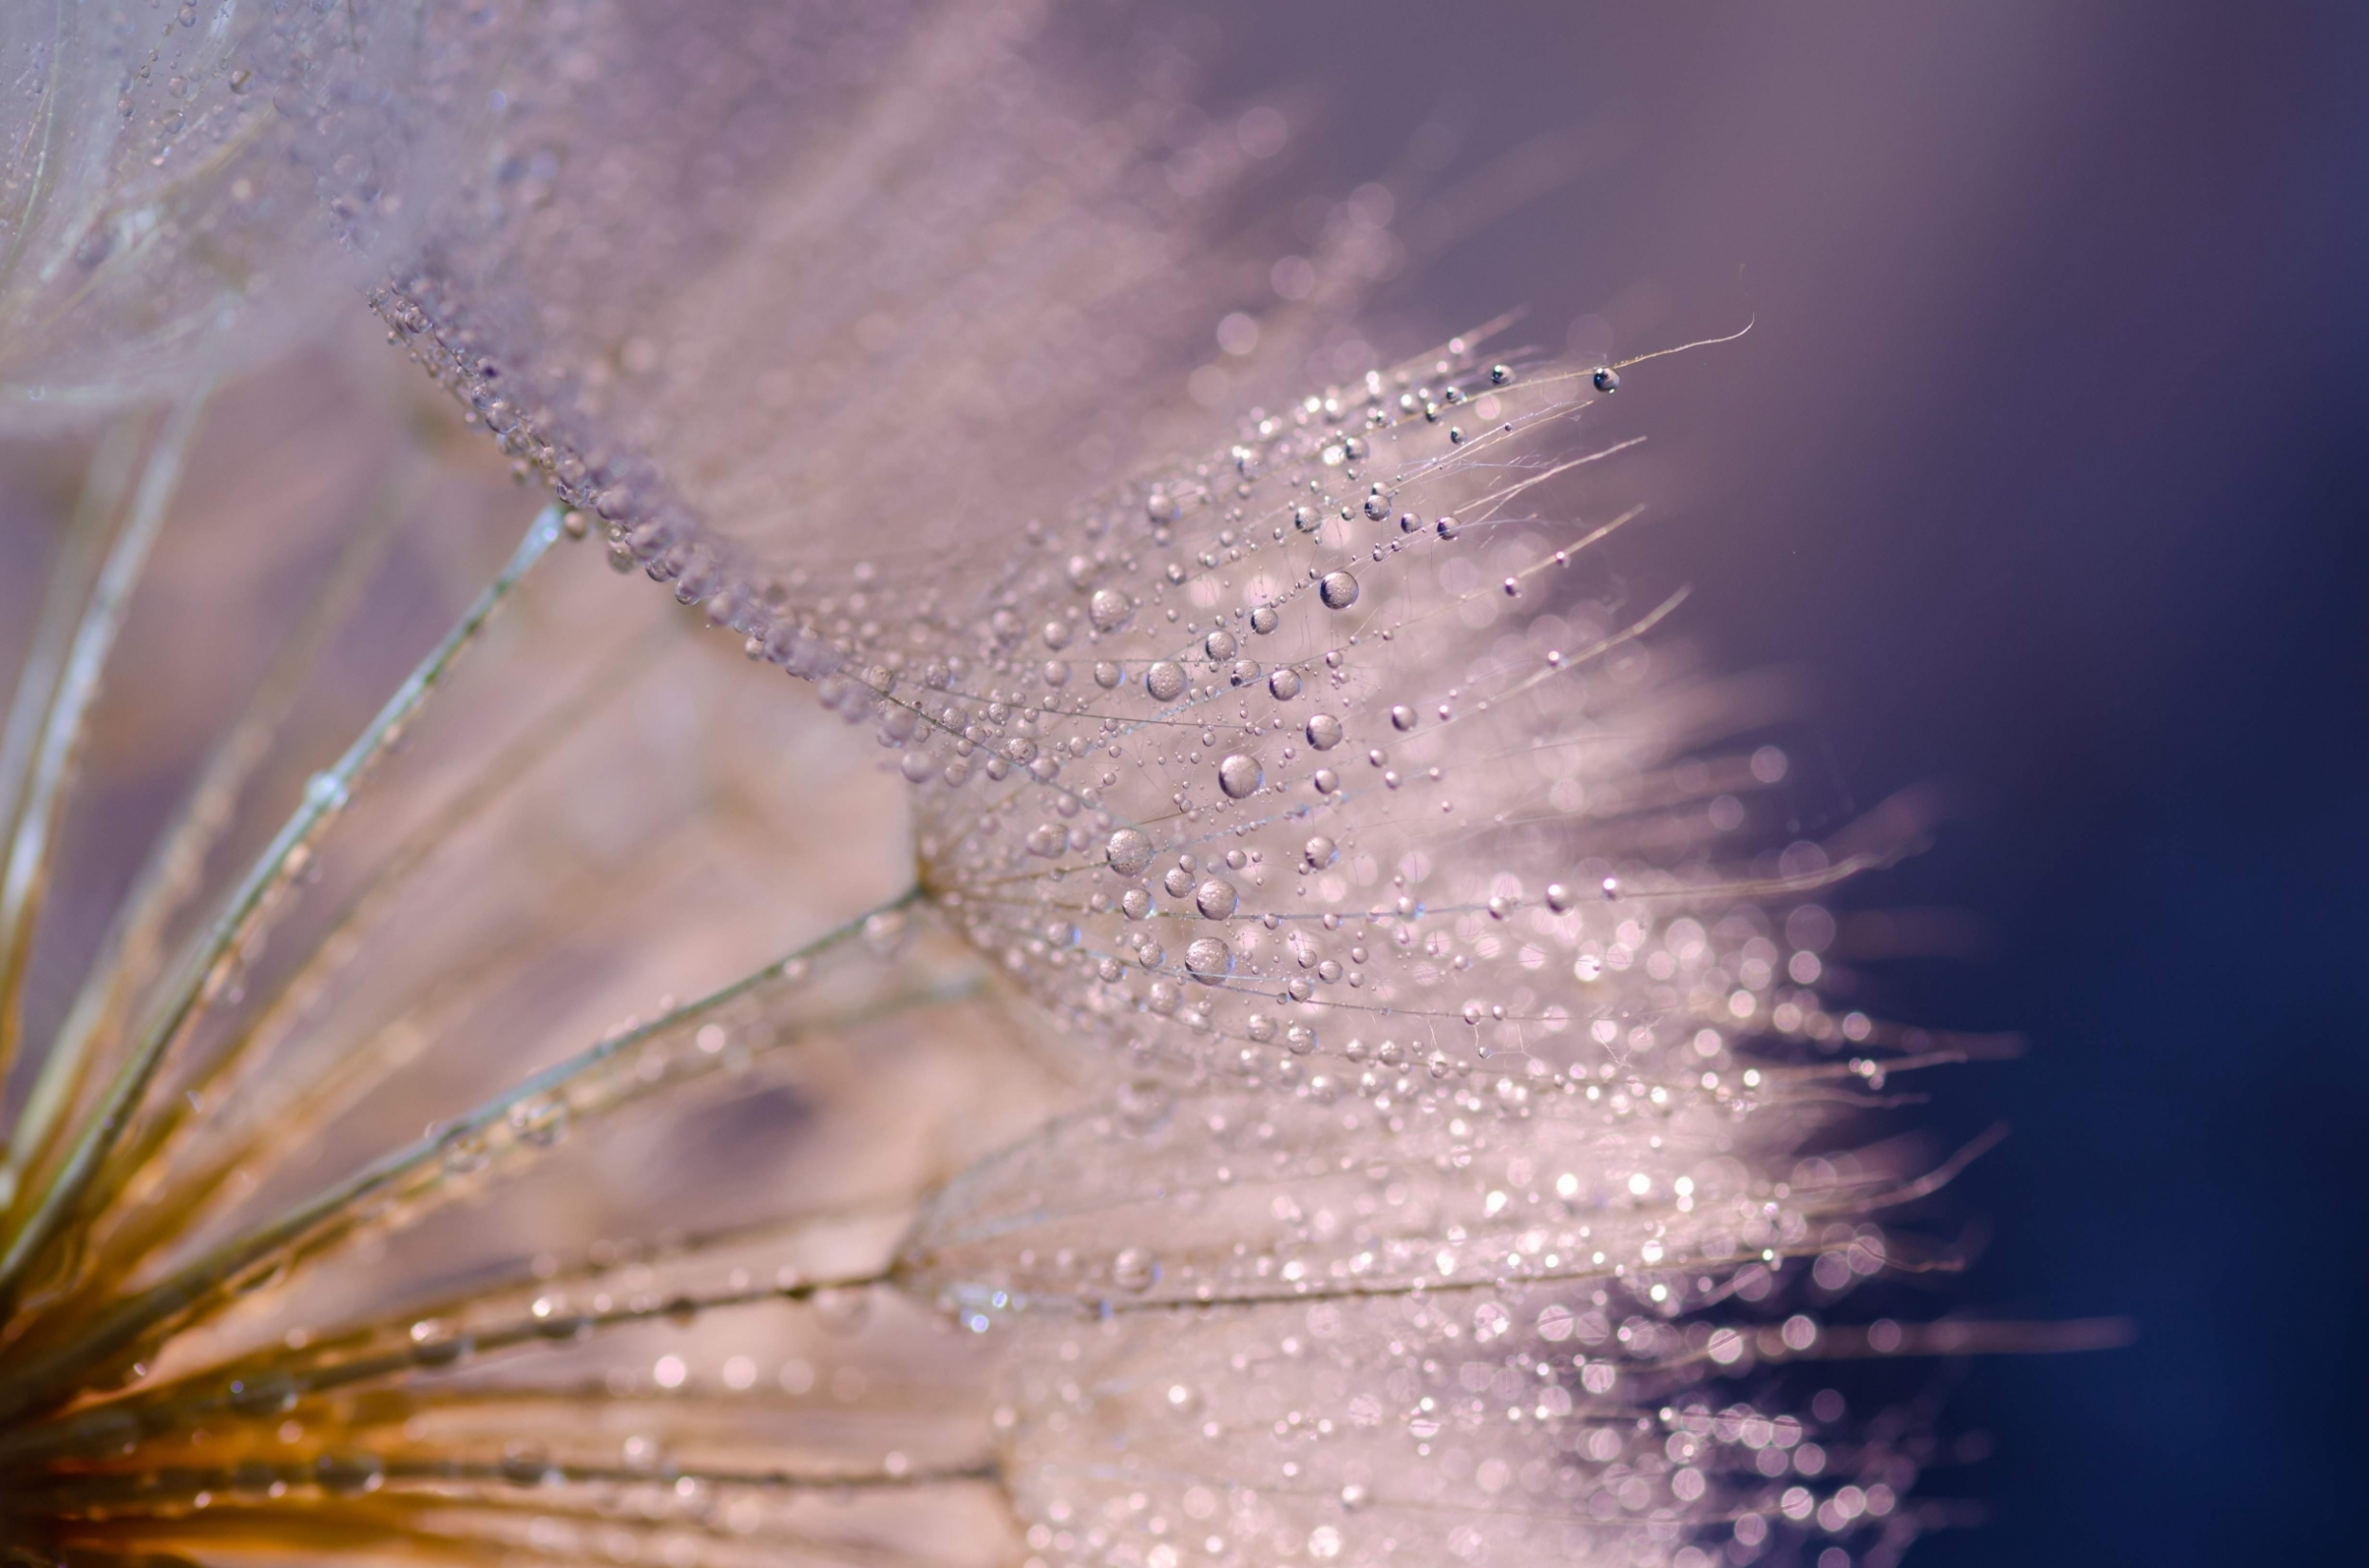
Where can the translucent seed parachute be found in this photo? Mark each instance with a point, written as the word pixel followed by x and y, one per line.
pixel 1198 977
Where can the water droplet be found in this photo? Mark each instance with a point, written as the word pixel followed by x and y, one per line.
pixel 1160 508
pixel 1239 776
pixel 1165 681
pixel 1319 851
pixel 1107 674
pixel 1209 958
pixel 1559 898
pixel 1217 899
pixel 1129 851
pixel 1133 1269
pixel 1402 717
pixel 1264 619
pixel 916 766
pixel 1326 782
pixel 1500 374
pixel 1109 610
pixel 1338 590
pixel 1324 731
pixel 1284 686
pixel 1219 645
pixel 1606 379
pixel 1299 1039
pixel 1135 904
pixel 538 1122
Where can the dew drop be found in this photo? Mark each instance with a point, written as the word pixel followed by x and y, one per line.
pixel 1129 851
pixel 1402 717
pixel 1208 958
pixel 1338 590
pixel 1559 898
pixel 1217 899
pixel 1135 904
pixel 1324 731
pixel 1284 686
pixel 1319 851
pixel 1165 681
pixel 1239 776
pixel 1107 674
pixel 1109 610
pixel 1133 1269
pixel 1606 379
pixel 1220 645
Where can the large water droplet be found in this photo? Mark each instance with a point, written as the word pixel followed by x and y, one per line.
pixel 1208 958
pixel 1338 590
pixel 1324 731
pixel 1109 610
pixel 1217 899
pixel 1129 851
pixel 1239 775
pixel 1165 681
pixel 1284 686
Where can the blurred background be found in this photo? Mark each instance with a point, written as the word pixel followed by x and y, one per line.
pixel 2047 469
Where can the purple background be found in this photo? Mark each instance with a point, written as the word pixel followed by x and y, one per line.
pixel 2046 466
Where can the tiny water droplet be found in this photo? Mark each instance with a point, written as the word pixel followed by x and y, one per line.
pixel 1133 1269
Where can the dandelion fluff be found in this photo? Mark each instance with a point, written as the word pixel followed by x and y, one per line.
pixel 183 195
pixel 1240 1008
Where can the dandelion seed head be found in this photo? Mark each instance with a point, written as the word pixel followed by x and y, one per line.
pixel 1307 1167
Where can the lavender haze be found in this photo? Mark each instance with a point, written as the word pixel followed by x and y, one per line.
pixel 2044 459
